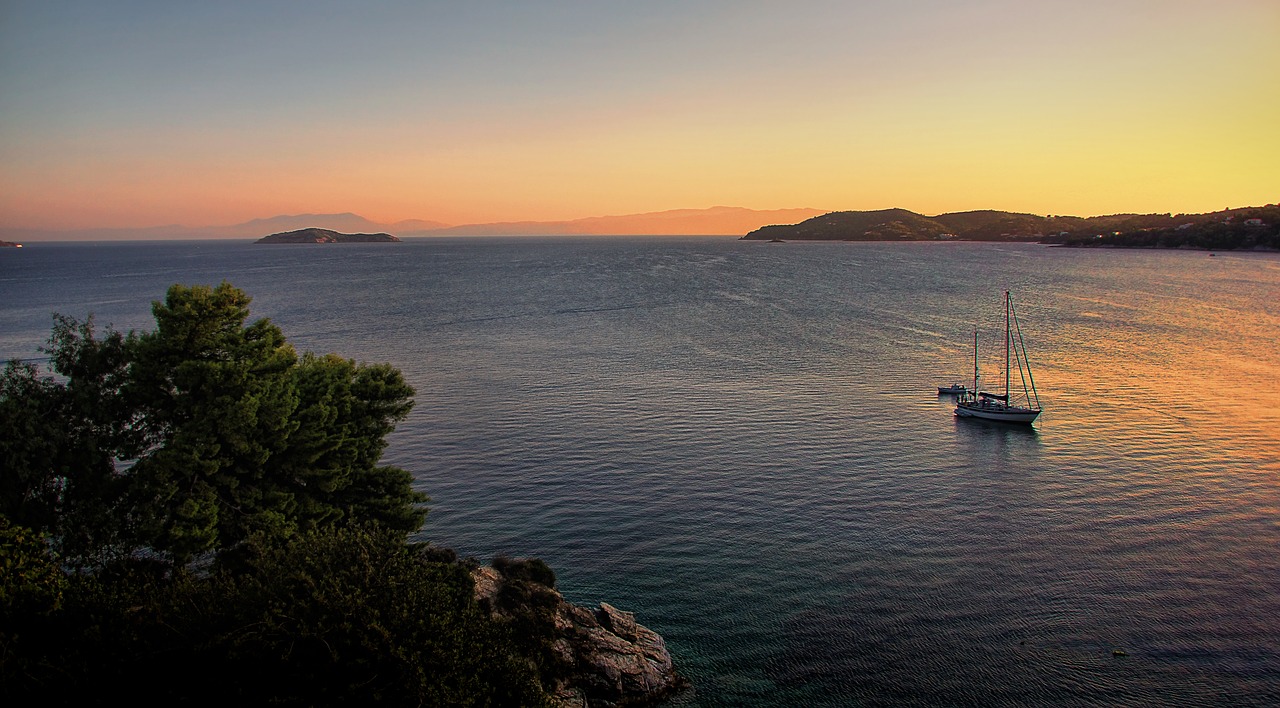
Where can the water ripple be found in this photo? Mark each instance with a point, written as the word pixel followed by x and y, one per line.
pixel 740 443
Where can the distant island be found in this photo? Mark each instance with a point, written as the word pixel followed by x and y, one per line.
pixel 10 244
pixel 325 236
pixel 1255 228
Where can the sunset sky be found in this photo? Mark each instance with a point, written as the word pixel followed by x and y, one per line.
pixel 138 113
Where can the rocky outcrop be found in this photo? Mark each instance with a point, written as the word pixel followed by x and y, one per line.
pixel 606 659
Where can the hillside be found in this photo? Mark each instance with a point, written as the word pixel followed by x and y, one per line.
pixel 882 225
pixel 904 225
pixel 1249 228
pixel 990 225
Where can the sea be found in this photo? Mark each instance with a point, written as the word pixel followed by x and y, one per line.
pixel 742 443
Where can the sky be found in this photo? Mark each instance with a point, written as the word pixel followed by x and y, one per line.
pixel 136 113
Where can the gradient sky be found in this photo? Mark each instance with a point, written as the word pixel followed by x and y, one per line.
pixel 137 113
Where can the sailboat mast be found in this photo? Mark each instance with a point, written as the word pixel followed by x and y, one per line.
pixel 975 361
pixel 1006 346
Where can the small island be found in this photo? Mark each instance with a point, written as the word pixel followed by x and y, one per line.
pixel 10 244
pixel 325 236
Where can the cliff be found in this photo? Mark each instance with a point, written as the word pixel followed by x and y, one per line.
pixel 598 658
pixel 314 235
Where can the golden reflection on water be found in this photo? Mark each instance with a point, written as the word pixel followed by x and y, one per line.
pixel 1165 370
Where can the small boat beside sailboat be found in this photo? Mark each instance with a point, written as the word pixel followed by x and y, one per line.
pixel 953 390
pixel 1004 407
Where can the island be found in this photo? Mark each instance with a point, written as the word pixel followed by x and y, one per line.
pixel 1247 228
pixel 906 225
pixel 325 236
pixel 10 244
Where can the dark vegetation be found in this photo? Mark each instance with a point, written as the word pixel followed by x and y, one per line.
pixel 1251 228
pixel 527 603
pixel 196 515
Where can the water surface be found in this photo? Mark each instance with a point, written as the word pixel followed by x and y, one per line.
pixel 741 442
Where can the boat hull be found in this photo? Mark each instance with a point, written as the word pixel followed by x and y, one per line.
pixel 1003 414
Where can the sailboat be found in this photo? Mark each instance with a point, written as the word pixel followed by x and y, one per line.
pixel 1001 406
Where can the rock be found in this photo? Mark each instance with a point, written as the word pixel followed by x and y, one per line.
pixel 487 581
pixel 620 623
pixel 608 658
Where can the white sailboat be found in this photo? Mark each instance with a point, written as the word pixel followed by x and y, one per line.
pixel 1002 407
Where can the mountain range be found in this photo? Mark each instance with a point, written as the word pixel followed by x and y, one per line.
pixel 716 221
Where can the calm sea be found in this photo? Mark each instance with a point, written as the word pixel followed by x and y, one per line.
pixel 742 443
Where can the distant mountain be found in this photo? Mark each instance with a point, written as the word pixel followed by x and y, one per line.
pixel 716 221
pixel 988 225
pixel 326 236
pixel 410 225
pixel 345 222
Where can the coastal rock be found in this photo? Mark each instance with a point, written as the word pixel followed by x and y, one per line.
pixel 325 236
pixel 608 659
pixel 620 623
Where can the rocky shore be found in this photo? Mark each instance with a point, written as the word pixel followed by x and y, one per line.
pixel 606 658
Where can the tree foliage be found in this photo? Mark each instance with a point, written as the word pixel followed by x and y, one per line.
pixel 210 438
pixel 349 615
pixel 190 438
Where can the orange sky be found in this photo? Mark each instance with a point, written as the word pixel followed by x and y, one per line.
pixel 148 113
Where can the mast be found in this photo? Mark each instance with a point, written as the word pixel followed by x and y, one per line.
pixel 974 393
pixel 1020 350
pixel 1006 347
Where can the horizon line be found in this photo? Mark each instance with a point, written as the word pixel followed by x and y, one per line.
pixel 692 211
